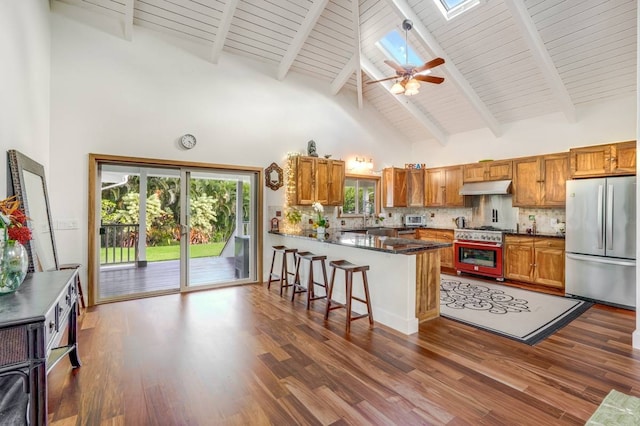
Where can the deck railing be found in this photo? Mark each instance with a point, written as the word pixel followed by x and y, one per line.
pixel 118 244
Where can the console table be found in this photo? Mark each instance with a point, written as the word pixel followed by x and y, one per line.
pixel 32 325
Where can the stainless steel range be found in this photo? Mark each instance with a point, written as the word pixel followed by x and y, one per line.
pixel 479 251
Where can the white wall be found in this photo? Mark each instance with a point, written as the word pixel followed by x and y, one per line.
pixel 24 81
pixel 596 124
pixel 111 96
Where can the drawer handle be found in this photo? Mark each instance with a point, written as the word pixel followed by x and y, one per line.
pixel 60 309
pixel 52 325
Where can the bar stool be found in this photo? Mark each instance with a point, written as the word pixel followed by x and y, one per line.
pixel 311 283
pixel 284 275
pixel 349 268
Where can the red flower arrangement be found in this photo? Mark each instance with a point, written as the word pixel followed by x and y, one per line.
pixel 14 221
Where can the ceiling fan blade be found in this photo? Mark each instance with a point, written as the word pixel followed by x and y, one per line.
pixel 399 69
pixel 384 79
pixel 431 64
pixel 429 79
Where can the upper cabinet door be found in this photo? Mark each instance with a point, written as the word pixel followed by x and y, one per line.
pixel 415 187
pixel 322 181
pixel 487 171
pixel 336 183
pixel 305 181
pixel 434 186
pixel 526 182
pixel 394 187
pixel 555 172
pixel 624 157
pixel 452 185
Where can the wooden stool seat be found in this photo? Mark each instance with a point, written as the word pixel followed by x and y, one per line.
pixel 283 276
pixel 349 269
pixel 311 283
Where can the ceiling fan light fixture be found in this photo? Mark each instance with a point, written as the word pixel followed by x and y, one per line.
pixel 397 88
pixel 411 92
pixel 412 84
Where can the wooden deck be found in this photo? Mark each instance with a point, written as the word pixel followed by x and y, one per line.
pixel 128 280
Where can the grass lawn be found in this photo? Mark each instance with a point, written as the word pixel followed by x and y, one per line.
pixel 158 253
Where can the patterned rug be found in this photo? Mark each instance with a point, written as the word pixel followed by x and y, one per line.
pixel 525 316
pixel 616 409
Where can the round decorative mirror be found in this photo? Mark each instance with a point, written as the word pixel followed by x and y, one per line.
pixel 273 176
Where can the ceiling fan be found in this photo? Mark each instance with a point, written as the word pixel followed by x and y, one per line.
pixel 408 76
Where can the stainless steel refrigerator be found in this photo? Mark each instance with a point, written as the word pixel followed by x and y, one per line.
pixel 601 240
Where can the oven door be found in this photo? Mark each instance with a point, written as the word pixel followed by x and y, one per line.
pixel 479 258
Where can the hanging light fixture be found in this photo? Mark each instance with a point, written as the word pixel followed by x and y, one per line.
pixel 397 88
pixel 411 88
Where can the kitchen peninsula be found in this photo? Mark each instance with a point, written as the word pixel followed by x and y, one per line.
pixel 404 274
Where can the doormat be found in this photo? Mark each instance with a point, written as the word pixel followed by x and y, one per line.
pixel 522 315
pixel 616 408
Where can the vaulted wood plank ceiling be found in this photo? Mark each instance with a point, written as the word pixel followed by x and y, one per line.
pixel 506 60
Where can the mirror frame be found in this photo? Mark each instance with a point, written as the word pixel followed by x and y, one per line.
pixel 18 164
pixel 273 167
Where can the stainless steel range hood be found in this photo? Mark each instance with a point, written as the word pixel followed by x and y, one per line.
pixel 496 187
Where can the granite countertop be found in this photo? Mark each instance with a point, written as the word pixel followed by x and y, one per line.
pixel 537 234
pixel 370 242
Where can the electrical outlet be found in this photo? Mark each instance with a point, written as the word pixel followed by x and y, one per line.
pixel 342 222
pixel 390 215
pixel 432 215
pixel 553 222
pixel 278 213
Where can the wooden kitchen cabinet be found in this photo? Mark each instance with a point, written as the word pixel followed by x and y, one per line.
pixel 441 236
pixel 394 187
pixel 415 187
pixel 540 181
pixel 319 179
pixel 604 160
pixel 487 171
pixel 535 260
pixel 442 187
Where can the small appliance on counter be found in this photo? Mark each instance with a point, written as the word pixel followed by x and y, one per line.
pixel 415 220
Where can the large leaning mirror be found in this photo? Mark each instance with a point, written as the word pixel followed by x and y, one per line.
pixel 29 185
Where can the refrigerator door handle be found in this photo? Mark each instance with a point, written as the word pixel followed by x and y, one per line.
pixel 596 259
pixel 609 229
pixel 600 218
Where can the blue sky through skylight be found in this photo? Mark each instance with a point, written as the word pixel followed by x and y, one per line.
pixel 394 44
pixel 450 4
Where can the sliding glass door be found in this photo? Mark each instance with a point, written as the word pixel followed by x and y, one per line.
pixel 167 229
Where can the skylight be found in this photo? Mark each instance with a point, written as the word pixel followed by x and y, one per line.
pixel 453 8
pixel 393 44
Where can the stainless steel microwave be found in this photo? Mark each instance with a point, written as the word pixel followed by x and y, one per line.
pixel 415 220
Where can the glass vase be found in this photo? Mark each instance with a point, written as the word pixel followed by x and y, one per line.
pixel 13 265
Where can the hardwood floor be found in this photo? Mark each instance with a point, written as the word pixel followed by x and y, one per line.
pixel 244 355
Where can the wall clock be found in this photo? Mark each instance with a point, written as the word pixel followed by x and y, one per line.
pixel 188 141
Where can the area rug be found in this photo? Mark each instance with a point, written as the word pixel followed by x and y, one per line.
pixel 522 315
pixel 617 409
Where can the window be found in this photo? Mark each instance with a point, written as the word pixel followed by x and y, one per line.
pixel 395 47
pixel 359 196
pixel 453 8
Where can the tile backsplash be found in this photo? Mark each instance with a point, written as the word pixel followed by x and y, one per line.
pixel 547 220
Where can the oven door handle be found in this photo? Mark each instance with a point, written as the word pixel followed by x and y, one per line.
pixel 469 243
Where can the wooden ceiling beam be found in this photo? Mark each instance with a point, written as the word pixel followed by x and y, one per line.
pixel 541 55
pixel 403 10
pixel 343 76
pixel 301 36
pixel 223 29
pixel 128 20
pixel 355 9
pixel 433 128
